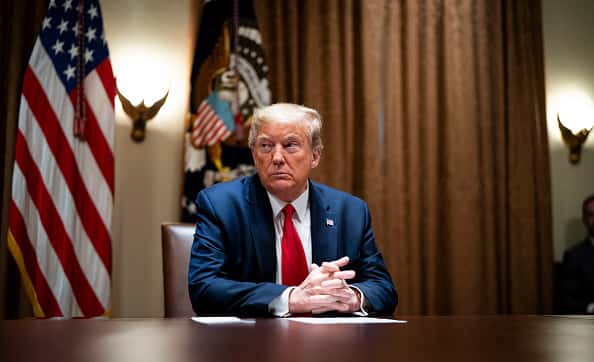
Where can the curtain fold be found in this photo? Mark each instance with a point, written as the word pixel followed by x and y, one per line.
pixel 434 114
pixel 20 22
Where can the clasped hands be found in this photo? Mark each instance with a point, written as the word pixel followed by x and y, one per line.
pixel 325 289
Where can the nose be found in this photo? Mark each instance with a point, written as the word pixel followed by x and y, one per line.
pixel 277 155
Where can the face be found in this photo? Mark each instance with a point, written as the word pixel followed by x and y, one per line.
pixel 588 217
pixel 284 159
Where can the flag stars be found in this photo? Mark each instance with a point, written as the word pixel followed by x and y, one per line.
pixel 73 51
pixel 92 12
pixel 52 4
pixel 103 38
pixel 63 26
pixel 88 56
pixel 69 72
pixel 46 23
pixel 91 34
pixel 75 29
pixel 58 47
pixel 67 5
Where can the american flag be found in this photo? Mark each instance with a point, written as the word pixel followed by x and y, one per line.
pixel 208 127
pixel 63 179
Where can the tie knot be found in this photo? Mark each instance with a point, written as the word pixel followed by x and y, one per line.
pixel 288 211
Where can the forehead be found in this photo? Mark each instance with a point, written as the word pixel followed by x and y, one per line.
pixel 282 130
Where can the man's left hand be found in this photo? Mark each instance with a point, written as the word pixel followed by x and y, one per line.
pixel 338 297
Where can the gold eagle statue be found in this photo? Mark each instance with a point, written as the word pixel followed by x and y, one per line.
pixel 140 114
pixel 573 141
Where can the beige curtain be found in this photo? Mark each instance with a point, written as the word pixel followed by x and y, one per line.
pixel 434 114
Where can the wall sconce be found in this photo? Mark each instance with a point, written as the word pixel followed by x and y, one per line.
pixel 140 114
pixel 573 140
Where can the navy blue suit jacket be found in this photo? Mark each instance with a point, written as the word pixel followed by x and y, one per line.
pixel 233 261
pixel 577 284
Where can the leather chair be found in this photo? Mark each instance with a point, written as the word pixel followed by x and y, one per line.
pixel 176 240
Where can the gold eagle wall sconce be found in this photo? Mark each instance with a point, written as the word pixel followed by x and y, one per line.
pixel 573 140
pixel 140 114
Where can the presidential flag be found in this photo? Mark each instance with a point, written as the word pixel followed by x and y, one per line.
pixel 229 80
pixel 63 179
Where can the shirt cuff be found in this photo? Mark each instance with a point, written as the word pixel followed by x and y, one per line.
pixel 280 305
pixel 362 312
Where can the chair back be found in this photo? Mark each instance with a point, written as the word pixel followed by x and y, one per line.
pixel 176 241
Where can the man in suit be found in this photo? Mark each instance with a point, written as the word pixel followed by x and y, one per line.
pixel 577 285
pixel 279 244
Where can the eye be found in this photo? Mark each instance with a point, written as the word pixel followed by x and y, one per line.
pixel 292 146
pixel 265 147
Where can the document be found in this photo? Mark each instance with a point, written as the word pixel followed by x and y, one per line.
pixel 222 320
pixel 346 320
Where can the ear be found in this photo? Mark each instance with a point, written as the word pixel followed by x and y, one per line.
pixel 315 158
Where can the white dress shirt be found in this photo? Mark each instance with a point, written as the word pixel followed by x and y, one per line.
pixel 302 222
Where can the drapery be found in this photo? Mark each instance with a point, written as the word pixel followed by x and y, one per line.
pixel 434 114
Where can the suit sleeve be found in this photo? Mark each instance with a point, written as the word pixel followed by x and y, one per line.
pixel 372 276
pixel 212 291
pixel 573 300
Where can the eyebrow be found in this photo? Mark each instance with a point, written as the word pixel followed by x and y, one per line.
pixel 291 136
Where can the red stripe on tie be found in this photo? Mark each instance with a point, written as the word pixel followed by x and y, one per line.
pixel 44 294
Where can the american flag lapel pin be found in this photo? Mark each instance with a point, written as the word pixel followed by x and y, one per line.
pixel 329 222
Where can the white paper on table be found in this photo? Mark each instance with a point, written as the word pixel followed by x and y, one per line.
pixel 346 320
pixel 222 320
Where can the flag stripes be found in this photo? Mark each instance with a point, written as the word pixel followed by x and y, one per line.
pixel 28 265
pixel 208 128
pixel 59 142
pixel 62 198
pixel 55 229
pixel 63 184
pixel 46 81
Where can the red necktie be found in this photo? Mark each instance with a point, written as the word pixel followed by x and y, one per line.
pixel 293 258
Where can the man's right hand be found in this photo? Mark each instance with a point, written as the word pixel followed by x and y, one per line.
pixel 325 289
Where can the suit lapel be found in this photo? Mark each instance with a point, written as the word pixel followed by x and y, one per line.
pixel 323 227
pixel 262 228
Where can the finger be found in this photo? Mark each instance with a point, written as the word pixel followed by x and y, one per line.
pixel 328 267
pixel 340 295
pixel 333 283
pixel 317 276
pixel 344 274
pixel 341 262
pixel 338 307
pixel 320 300
pixel 322 295
pixel 335 265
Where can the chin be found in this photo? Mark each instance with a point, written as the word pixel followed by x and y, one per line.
pixel 281 186
pixel 282 190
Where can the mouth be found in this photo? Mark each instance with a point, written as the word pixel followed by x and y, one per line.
pixel 280 175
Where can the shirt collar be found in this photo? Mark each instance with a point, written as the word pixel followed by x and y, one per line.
pixel 300 204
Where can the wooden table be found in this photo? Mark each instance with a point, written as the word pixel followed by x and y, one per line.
pixel 487 338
